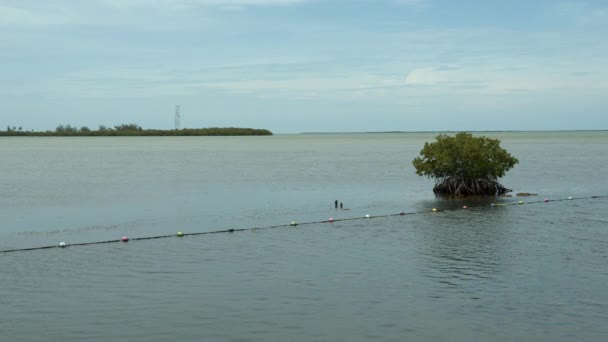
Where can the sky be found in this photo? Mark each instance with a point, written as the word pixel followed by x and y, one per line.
pixel 305 65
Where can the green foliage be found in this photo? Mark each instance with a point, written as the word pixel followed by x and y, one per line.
pixel 66 129
pixel 127 127
pixel 136 130
pixel 464 164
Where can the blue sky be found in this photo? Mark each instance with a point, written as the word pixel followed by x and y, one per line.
pixel 305 65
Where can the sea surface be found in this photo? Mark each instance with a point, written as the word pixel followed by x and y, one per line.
pixel 537 271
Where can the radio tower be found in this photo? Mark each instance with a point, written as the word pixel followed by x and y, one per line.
pixel 177 117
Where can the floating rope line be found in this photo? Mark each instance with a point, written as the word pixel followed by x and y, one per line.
pixel 125 239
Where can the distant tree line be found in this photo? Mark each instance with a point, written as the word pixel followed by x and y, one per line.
pixel 133 130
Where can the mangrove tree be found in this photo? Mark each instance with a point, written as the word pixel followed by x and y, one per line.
pixel 464 165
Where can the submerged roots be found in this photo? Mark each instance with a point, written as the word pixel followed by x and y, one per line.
pixel 457 187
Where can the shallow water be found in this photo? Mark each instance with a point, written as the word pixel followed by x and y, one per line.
pixel 505 273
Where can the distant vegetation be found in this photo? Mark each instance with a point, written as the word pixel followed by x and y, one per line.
pixel 464 165
pixel 132 130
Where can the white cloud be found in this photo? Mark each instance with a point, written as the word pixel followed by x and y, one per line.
pixel 488 79
pixel 423 76
pixel 447 76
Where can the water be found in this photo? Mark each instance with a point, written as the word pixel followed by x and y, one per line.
pixel 509 273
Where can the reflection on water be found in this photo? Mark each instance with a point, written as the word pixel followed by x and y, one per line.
pixel 500 274
pixel 466 245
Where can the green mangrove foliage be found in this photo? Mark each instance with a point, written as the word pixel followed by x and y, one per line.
pixel 464 165
pixel 135 130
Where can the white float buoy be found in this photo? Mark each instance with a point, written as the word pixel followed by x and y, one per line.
pixel 367 216
pixel 62 244
pixel 569 197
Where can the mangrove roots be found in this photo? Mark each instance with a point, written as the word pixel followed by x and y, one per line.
pixel 458 187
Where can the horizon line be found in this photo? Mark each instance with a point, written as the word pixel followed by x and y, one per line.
pixel 456 131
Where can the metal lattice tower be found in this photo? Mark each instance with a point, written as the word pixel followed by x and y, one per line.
pixel 177 117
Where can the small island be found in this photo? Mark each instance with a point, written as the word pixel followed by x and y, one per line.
pixel 132 130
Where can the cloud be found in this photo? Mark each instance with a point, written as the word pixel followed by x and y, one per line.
pixel 423 76
pixel 411 2
pixel 20 14
pixel 486 79
pixel 148 14
pixel 445 76
pixel 187 4
pixel 273 78
pixel 581 13
pixel 26 17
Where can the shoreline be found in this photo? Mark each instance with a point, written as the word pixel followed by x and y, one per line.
pixel 214 131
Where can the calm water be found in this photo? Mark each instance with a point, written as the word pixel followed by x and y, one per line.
pixel 535 272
